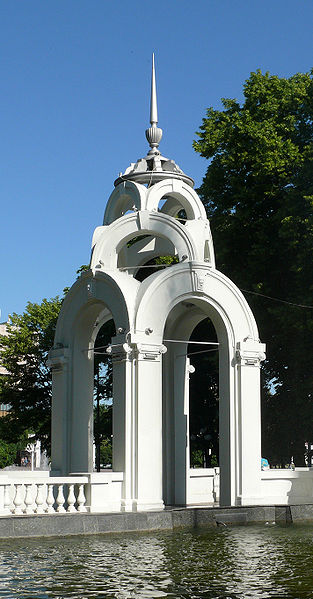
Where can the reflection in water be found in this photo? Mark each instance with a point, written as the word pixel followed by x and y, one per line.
pixel 224 563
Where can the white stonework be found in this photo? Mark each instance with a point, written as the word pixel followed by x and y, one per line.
pixel 154 320
pixel 150 374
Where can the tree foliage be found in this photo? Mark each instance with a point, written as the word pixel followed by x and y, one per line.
pixel 27 386
pixel 258 192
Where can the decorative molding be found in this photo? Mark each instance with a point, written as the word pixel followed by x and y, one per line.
pixel 121 352
pixel 150 352
pixel 58 358
pixel 197 281
pixel 143 219
pixel 141 351
pixel 250 353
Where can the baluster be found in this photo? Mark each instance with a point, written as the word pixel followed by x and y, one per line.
pixel 60 500
pixel 18 499
pixel 39 500
pixel 81 499
pixel 71 499
pixel 6 499
pixel 50 500
pixel 29 501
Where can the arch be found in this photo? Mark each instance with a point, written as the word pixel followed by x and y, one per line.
pixel 180 196
pixel 114 237
pixel 126 196
pixel 168 295
pixel 143 251
pixel 180 323
pixel 91 301
pixel 89 289
pixel 195 280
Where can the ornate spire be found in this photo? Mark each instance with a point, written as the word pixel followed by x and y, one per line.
pixel 154 133
pixel 154 167
pixel 153 98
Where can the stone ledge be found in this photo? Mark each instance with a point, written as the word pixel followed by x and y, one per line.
pixel 59 525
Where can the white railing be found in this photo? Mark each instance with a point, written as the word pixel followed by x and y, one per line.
pixel 32 493
pixel 203 486
pixel 43 496
pixel 287 487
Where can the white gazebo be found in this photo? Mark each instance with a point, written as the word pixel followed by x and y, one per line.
pixel 154 320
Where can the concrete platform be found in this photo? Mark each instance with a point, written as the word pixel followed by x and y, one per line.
pixel 61 525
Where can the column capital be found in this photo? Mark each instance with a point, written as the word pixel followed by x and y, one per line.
pixel 250 352
pixel 141 351
pixel 150 351
pixel 58 358
pixel 120 352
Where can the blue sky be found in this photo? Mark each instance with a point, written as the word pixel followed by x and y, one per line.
pixel 74 107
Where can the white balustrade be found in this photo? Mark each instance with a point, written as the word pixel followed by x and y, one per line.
pixel 44 497
pixel 60 500
pixel 18 500
pixel 81 499
pixel 50 499
pixel 71 499
pixel 6 499
pixel 29 500
pixel 39 500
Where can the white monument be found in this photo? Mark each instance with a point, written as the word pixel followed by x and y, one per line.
pixel 154 320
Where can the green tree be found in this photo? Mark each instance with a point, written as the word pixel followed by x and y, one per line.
pixel 258 192
pixel 27 386
pixel 8 453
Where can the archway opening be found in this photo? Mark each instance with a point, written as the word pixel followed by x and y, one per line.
pixel 91 408
pixel 173 207
pixel 155 265
pixel 103 398
pixel 144 255
pixel 204 397
pixel 191 400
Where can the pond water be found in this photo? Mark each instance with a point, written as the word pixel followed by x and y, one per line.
pixel 216 563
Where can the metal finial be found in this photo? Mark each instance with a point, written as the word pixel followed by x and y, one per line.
pixel 153 99
pixel 154 133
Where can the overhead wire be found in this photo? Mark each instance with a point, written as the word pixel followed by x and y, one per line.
pixel 187 341
pixel 276 299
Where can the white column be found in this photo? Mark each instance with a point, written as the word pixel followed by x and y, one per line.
pixel 124 419
pixel 180 390
pixel 147 479
pixel 249 355
pixel 189 370
pixel 58 362
pixel 227 424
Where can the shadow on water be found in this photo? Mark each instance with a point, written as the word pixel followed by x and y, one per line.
pixel 222 563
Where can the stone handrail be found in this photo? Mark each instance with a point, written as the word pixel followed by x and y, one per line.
pixel 42 495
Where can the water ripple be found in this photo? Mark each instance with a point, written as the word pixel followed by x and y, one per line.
pixel 231 563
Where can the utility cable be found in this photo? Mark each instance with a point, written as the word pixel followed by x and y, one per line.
pixel 276 299
pixel 96 349
pixel 187 341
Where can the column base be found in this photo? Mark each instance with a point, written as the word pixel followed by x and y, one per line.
pixel 253 500
pixel 146 506
pixel 127 505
